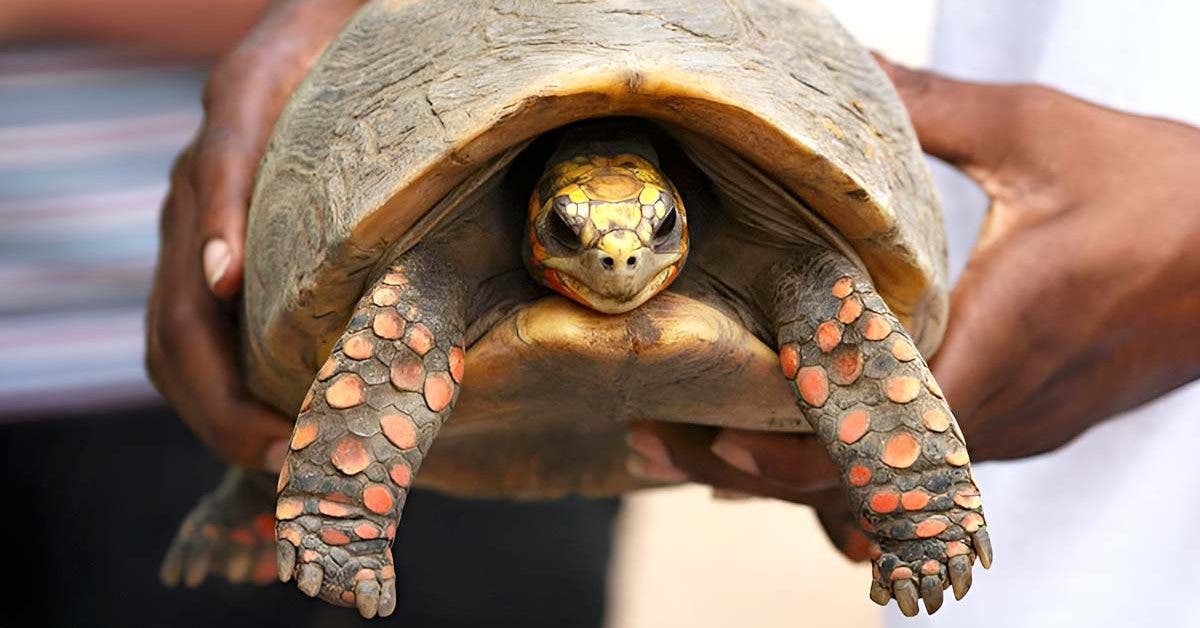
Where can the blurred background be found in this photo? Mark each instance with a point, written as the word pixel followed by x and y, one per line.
pixel 95 101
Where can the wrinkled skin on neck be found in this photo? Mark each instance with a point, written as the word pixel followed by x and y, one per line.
pixel 609 232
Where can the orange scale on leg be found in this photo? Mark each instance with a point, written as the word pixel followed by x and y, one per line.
pixel 904 350
pixel 935 420
pixel 956 548
pixel 328 368
pixel 419 339
pixel 859 475
pixel 842 287
pixel 902 389
pixel 789 360
pixel 399 430
pixel 901 450
pixel 847 366
pixel 457 363
pixel 933 387
pixel 401 474
pixel 378 499
pixel 932 527
pixel 385 296
pixel 288 508
pixel 357 347
pixel 389 325
pixel 885 501
pixel 914 500
pixel 333 509
pixel 968 498
pixel 971 522
pixel 902 573
pixel 350 456
pixel 291 535
pixel 813 385
pixel 854 425
pixel 333 536
pixel 877 327
pixel 366 531
pixel 958 457
pixel 346 391
pixel 851 309
pixel 828 336
pixel 439 391
pixel 407 373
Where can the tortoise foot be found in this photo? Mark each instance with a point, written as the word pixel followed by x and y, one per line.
pixel 346 561
pixel 230 533
pixel 924 568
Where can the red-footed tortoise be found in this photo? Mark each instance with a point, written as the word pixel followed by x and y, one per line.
pixel 508 191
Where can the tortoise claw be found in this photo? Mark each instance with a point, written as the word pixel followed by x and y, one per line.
pixel 309 579
pixel 960 575
pixel 983 547
pixel 366 597
pixel 906 597
pixel 171 571
pixel 197 568
pixel 931 593
pixel 387 598
pixel 286 553
pixel 880 594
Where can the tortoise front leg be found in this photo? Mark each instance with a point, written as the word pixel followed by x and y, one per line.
pixel 874 404
pixel 366 424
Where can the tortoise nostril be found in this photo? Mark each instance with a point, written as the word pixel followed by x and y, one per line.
pixel 631 262
pixel 607 261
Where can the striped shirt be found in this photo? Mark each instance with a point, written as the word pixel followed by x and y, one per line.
pixel 87 136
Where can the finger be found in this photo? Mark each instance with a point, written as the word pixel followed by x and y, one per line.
pixel 227 156
pixel 963 123
pixel 688 448
pixel 190 345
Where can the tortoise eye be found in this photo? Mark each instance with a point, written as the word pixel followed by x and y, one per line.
pixel 562 233
pixel 666 228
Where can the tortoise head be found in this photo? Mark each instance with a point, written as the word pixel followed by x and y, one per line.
pixel 607 231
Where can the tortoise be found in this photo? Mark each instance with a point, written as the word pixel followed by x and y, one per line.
pixel 710 212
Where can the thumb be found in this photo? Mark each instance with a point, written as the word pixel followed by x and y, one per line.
pixel 963 123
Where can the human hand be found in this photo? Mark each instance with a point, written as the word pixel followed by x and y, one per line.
pixel 1081 299
pixel 191 344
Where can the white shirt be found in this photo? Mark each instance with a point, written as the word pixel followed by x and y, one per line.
pixel 1106 530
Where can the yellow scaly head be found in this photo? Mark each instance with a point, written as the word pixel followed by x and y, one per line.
pixel 608 232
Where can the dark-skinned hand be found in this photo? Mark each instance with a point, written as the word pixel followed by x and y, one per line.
pixel 191 348
pixel 1081 299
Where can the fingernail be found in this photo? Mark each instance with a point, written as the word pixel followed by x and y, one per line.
pixel 650 471
pixel 273 458
pixel 216 260
pixel 735 455
pixel 649 446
